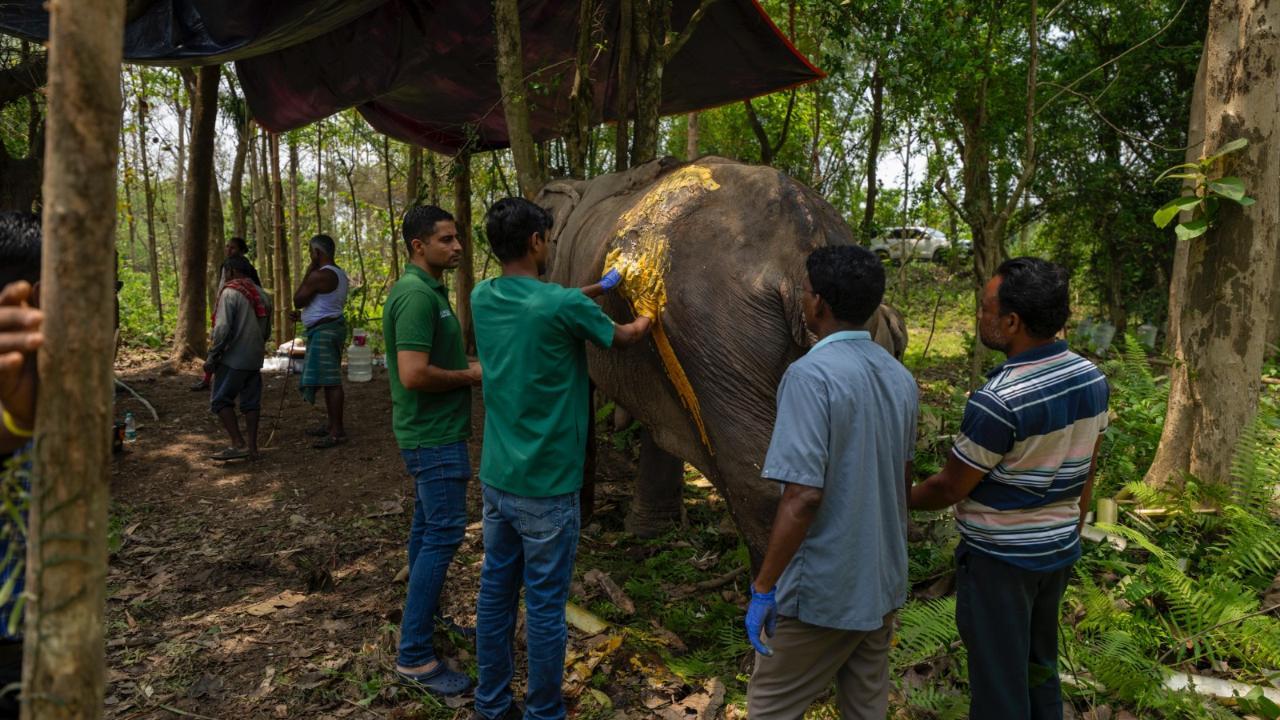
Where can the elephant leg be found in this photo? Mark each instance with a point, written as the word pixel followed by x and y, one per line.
pixel 657 504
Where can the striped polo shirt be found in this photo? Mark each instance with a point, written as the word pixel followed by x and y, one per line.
pixel 1032 429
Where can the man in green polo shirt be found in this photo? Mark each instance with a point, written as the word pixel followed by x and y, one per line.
pixel 431 382
pixel 530 335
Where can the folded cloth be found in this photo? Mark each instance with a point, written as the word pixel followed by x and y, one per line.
pixel 246 288
pixel 322 366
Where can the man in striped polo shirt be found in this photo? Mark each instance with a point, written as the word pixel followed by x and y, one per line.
pixel 1020 476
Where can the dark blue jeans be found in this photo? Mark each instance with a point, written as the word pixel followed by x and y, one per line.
pixel 530 542
pixel 440 475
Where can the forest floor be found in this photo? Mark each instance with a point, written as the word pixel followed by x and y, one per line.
pixel 268 588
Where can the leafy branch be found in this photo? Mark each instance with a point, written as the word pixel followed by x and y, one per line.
pixel 1207 193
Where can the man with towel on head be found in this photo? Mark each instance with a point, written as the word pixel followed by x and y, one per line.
pixel 321 297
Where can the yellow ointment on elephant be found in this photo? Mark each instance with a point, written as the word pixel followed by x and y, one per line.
pixel 642 255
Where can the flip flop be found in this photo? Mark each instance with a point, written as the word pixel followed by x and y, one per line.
pixel 329 441
pixel 231 453
pixel 440 681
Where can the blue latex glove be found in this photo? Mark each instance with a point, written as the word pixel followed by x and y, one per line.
pixel 610 280
pixel 762 615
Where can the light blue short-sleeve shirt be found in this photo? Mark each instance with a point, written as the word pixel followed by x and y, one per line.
pixel 846 423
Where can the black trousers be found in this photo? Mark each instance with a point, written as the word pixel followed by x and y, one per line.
pixel 1008 620
pixel 10 673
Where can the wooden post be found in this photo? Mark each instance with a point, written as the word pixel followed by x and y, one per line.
pixel 466 272
pixel 64 650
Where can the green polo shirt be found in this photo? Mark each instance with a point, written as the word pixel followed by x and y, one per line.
pixel 417 317
pixel 530 336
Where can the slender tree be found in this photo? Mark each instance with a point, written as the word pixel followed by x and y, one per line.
pixel 466 270
pixel 515 96
pixel 64 648
pixel 190 338
pixel 283 282
pixel 149 196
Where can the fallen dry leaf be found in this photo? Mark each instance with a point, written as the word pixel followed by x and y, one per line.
pixel 280 601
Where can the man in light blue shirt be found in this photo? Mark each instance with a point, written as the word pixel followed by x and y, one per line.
pixel 835 571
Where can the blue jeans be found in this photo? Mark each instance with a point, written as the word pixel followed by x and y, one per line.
pixel 440 475
pixel 530 542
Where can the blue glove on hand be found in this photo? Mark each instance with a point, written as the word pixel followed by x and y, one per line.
pixel 610 280
pixel 762 615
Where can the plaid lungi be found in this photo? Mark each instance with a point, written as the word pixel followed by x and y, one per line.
pixel 323 364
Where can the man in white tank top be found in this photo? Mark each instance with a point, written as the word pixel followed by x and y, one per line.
pixel 321 298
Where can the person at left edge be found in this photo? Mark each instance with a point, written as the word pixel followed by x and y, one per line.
pixel 20 337
pixel 431 381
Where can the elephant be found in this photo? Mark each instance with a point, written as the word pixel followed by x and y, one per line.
pixel 730 242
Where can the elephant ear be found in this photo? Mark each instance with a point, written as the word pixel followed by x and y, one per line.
pixel 560 197
pixel 789 292
pixel 889 330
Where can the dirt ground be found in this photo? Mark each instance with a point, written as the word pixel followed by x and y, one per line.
pixel 267 588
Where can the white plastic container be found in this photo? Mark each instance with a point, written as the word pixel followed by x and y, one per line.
pixel 1147 334
pixel 359 358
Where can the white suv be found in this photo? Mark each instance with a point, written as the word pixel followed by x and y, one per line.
pixel 916 243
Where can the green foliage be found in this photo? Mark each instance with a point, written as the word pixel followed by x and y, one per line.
pixel 140 325
pixel 1186 594
pixel 1140 400
pixel 1208 190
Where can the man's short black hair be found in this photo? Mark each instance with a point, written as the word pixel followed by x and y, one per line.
pixel 19 247
pixel 240 243
pixel 510 222
pixel 326 244
pixel 849 278
pixel 1037 290
pixel 238 265
pixel 420 222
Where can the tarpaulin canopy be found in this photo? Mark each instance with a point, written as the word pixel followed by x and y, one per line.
pixel 426 72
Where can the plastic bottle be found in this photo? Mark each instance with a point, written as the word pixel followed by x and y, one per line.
pixel 130 428
pixel 359 358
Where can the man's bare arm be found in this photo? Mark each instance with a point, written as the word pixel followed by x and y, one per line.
pixel 317 282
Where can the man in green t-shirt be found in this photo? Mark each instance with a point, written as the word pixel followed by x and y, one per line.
pixel 530 336
pixel 431 382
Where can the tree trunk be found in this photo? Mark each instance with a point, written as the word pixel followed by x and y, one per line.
pixel 466 269
pixel 691 137
pixel 130 218
pixel 349 174
pixel 625 84
pixel 64 649
pixel 180 166
pixel 1223 311
pixel 190 338
pixel 649 32
pixel 236 186
pixel 657 504
pixel 218 238
pixel 149 199
pixel 515 100
pixel 282 280
pixel 319 174
pixel 391 209
pixel 873 151
pixel 431 166
pixel 578 139
pixel 413 177
pixel 295 229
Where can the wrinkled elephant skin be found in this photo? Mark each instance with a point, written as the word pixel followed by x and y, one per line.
pixel 731 242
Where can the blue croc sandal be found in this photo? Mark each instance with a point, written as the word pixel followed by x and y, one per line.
pixel 440 681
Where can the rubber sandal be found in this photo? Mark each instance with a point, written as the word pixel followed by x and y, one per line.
pixel 440 681
pixel 329 441
pixel 231 453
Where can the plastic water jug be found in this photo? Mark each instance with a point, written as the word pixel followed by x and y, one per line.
pixel 1103 333
pixel 359 358
pixel 130 428
pixel 1147 336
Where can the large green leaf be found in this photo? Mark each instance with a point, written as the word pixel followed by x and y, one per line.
pixel 1193 229
pixel 1170 210
pixel 1228 187
pixel 1233 146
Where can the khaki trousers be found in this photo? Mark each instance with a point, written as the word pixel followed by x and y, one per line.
pixel 806 658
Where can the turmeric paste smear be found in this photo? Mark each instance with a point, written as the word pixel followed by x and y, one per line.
pixel 642 255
